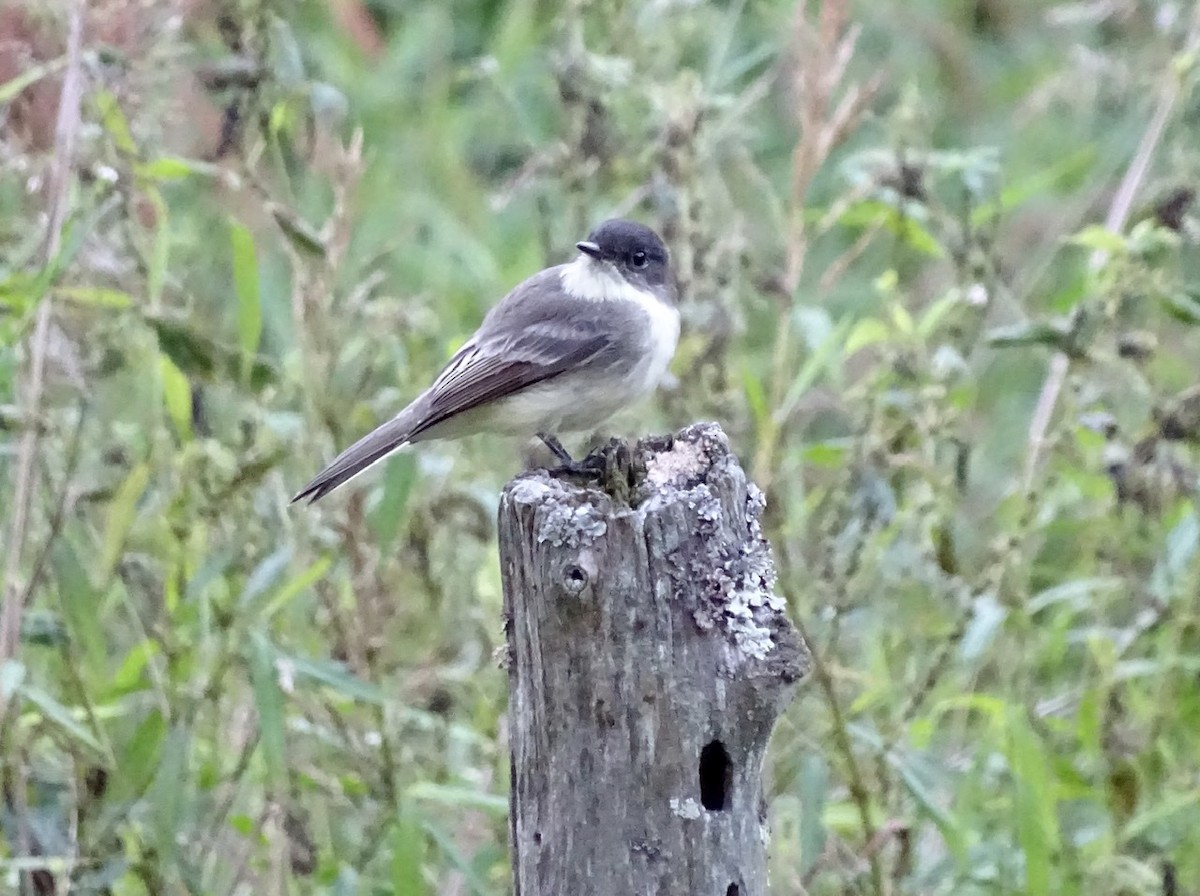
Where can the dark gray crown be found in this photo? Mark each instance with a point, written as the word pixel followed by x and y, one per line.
pixel 636 251
pixel 619 240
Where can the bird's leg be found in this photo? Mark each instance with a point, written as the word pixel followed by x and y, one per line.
pixel 556 448
pixel 609 466
pixel 591 466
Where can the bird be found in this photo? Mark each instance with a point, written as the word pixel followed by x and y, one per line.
pixel 562 352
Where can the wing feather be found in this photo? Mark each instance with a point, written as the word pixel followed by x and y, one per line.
pixel 489 370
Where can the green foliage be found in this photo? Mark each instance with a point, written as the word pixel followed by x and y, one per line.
pixel 881 248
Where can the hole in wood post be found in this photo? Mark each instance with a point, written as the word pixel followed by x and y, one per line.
pixel 716 776
pixel 734 890
pixel 574 579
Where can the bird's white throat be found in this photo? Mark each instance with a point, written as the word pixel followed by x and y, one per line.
pixel 593 281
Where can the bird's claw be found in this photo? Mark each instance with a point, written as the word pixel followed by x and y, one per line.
pixel 610 466
pixel 556 448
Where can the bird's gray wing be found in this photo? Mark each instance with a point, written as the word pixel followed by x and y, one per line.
pixel 493 367
pixel 496 363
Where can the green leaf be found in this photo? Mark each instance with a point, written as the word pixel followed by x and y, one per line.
pixel 866 332
pixel 245 825
pixel 296 585
pixel 246 286
pixel 756 396
pixel 1159 811
pixel 916 236
pixel 933 316
pixel 268 699
pixel 177 396
pixel 171 794
pixel 922 792
pixel 1055 335
pixel 336 677
pixel 814 791
pixel 399 477
pixel 160 246
pixel 1182 306
pixel 1036 811
pixel 1097 237
pixel 192 354
pixel 122 510
pixel 990 707
pixel 1079 594
pixel 75 231
pixel 1170 575
pixel 115 123
pixel 41 628
pixel 1151 243
pixel 1042 182
pixel 13 87
pixel 266 574
pixel 817 363
pixel 459 797
pixel 828 454
pixel 20 292
pixel 79 600
pixel 128 677
pixel 843 818
pixel 899 222
pixel 197 355
pixel 64 718
pixel 408 854
pixel 298 233
pixel 211 571
pixel 447 845
pixel 142 754
pixel 96 296
pixel 170 168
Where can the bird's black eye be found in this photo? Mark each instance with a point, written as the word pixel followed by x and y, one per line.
pixel 639 260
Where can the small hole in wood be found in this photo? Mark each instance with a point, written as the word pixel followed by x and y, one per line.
pixel 574 579
pixel 733 890
pixel 716 776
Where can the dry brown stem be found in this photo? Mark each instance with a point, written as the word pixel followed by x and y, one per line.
pixel 1169 95
pixel 58 193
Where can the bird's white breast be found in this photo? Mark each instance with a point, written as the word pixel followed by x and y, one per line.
pixel 594 282
pixel 664 337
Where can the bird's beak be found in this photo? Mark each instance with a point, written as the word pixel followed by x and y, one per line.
pixel 590 249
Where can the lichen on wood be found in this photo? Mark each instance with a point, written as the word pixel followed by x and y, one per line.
pixel 649 658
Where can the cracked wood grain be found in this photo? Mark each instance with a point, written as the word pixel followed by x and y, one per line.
pixel 649 658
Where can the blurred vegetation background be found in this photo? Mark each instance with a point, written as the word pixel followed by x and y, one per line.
pixel 941 289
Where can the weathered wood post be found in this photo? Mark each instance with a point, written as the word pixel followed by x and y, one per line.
pixel 649 658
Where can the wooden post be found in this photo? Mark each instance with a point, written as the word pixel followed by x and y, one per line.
pixel 649 658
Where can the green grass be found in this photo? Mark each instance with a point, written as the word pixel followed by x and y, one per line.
pixel 215 692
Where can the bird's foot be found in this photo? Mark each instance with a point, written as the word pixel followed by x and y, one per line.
pixel 556 448
pixel 610 466
pixel 590 467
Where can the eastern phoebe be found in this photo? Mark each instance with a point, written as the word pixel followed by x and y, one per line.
pixel 563 351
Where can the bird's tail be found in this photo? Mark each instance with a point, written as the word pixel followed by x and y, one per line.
pixel 366 452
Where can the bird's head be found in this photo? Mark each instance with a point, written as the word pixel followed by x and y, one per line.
pixel 631 250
